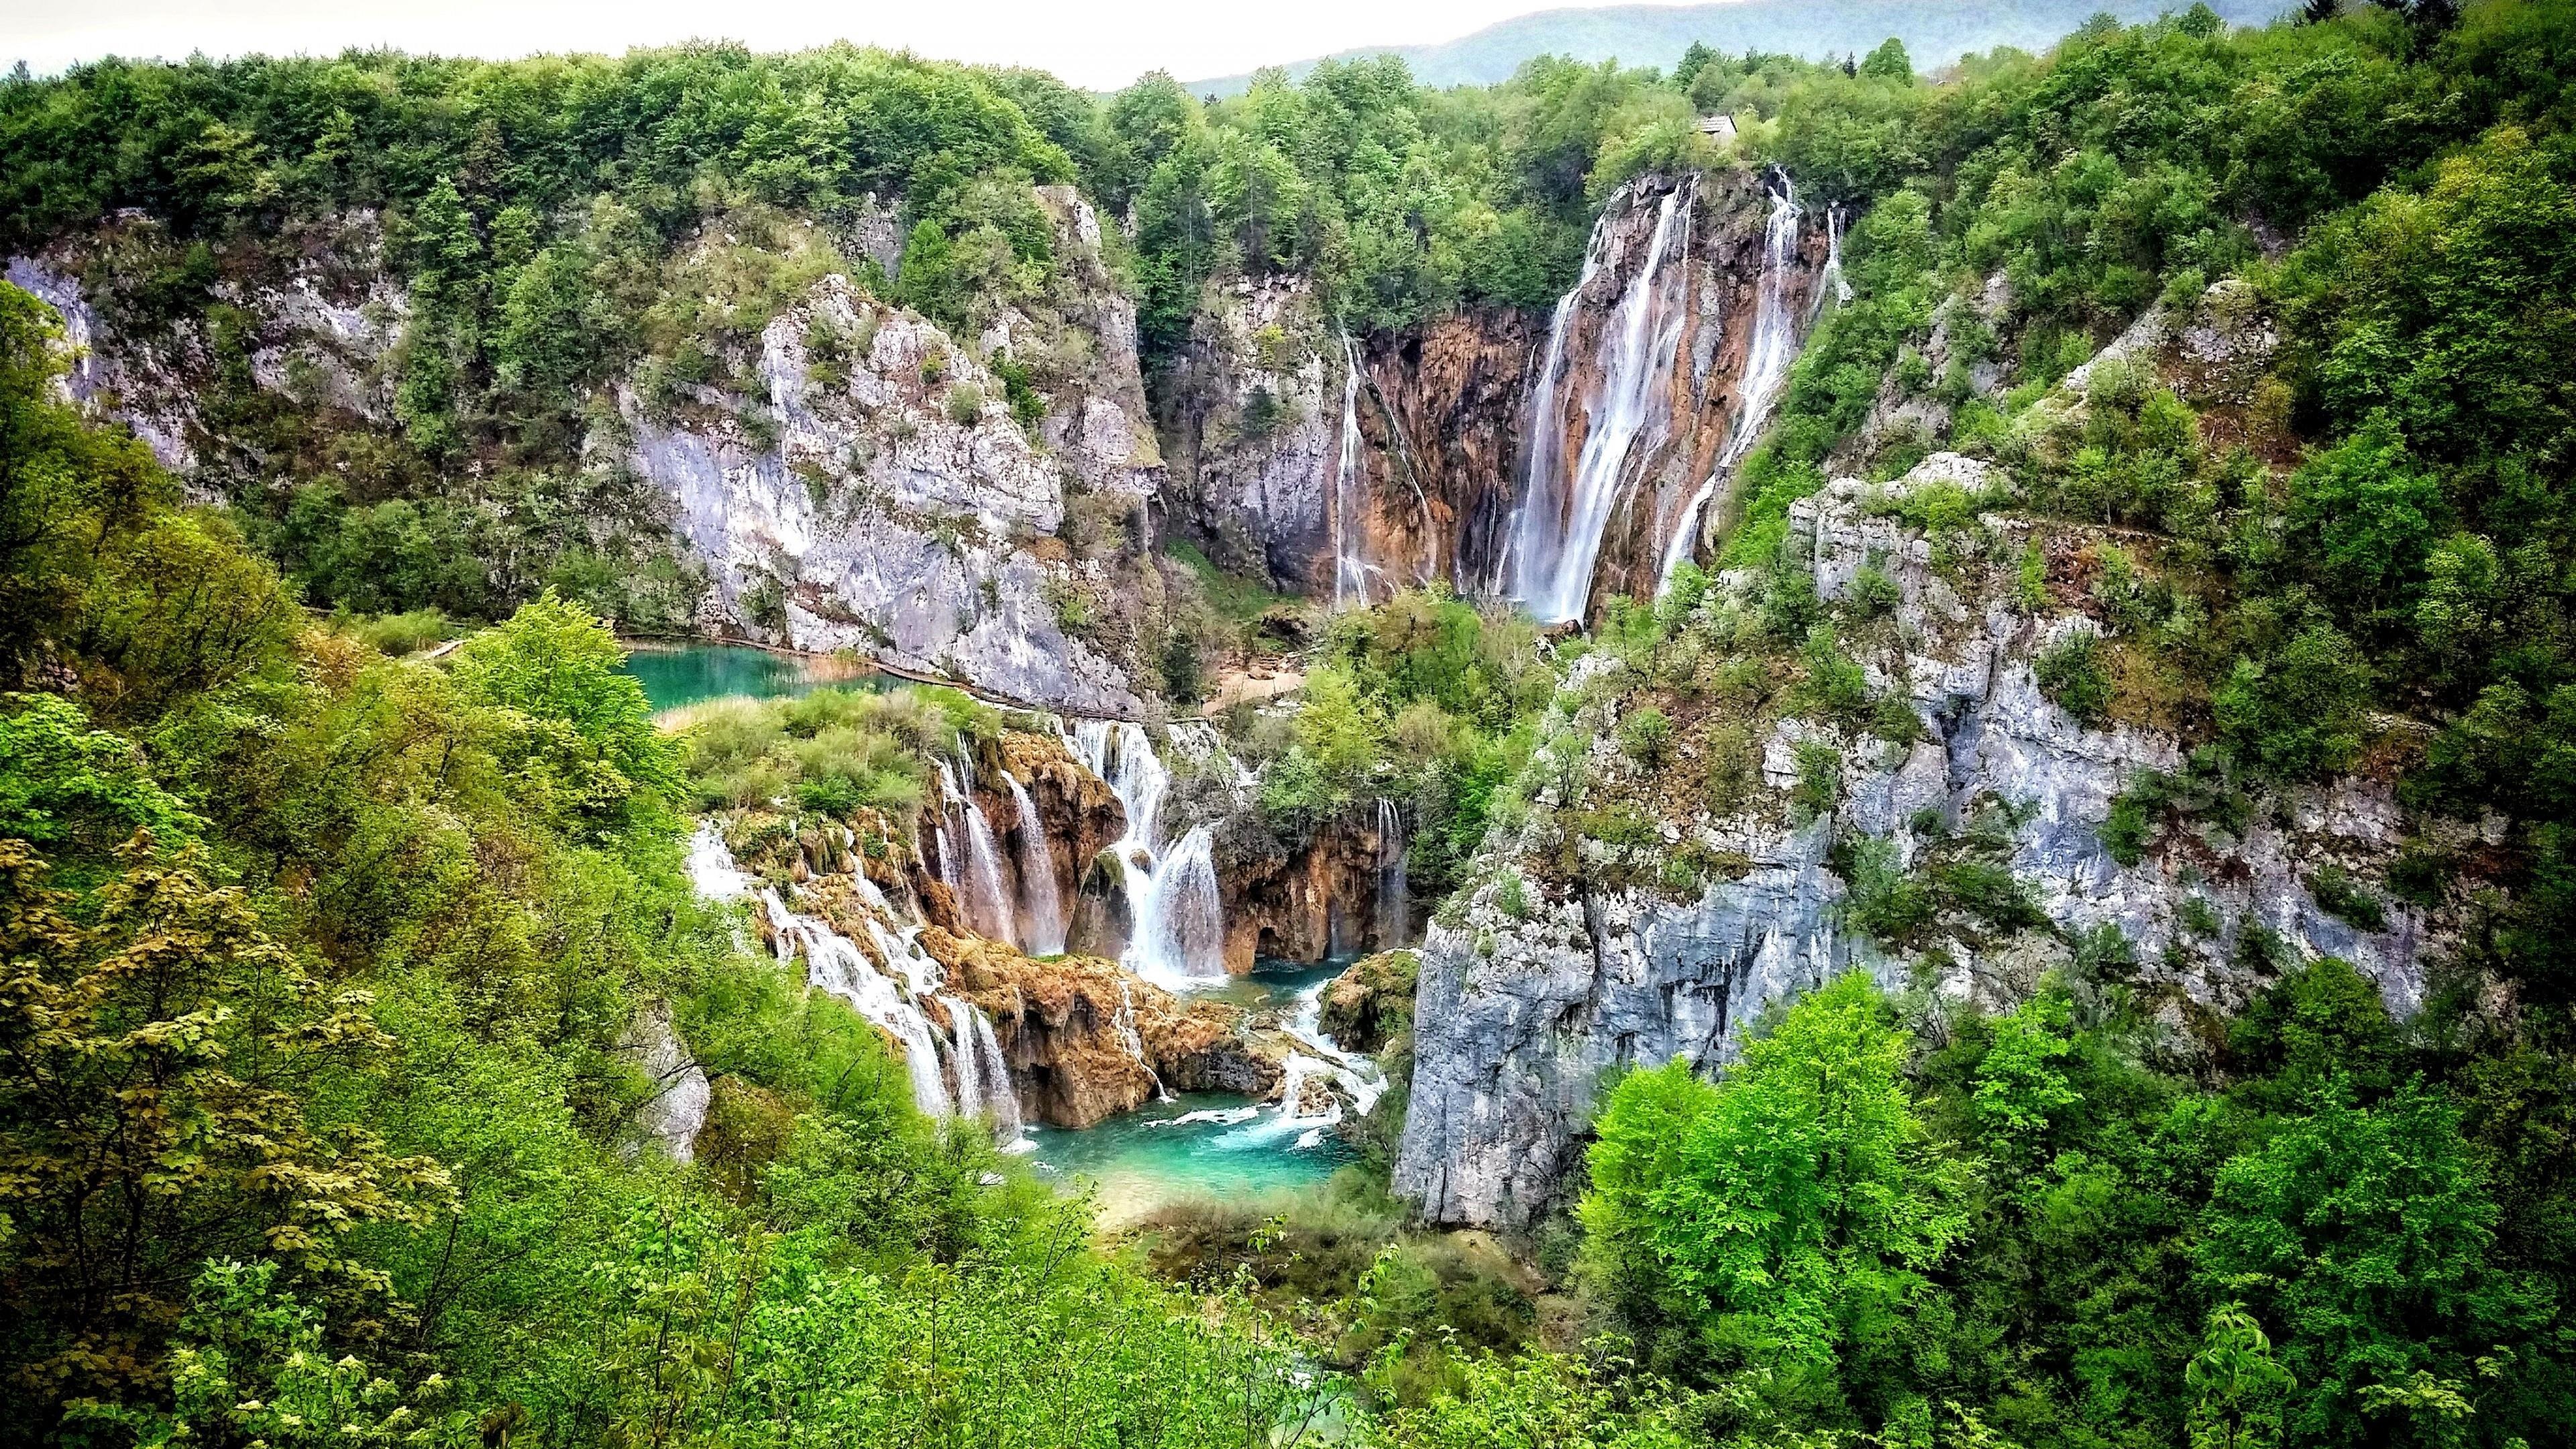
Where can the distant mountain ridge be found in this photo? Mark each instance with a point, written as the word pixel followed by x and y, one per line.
pixel 1935 33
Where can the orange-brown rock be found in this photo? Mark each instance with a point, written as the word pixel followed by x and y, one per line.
pixel 1063 1026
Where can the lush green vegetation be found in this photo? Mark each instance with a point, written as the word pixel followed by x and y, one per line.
pixel 321 964
pixel 317 1087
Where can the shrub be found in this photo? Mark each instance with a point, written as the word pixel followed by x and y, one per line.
pixel 1820 779
pixel 965 404
pixel 2071 675
pixel 1647 736
pixel 2347 899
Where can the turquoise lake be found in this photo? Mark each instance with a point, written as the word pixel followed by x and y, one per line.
pixel 693 673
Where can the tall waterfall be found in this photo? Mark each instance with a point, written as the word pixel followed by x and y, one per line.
pixel 1393 909
pixel 1766 366
pixel 1351 568
pixel 1177 920
pixel 1556 536
pixel 1041 908
pixel 981 897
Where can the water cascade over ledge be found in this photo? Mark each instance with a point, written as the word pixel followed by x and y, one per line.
pixel 1766 366
pixel 1556 534
pixel 964 1047
pixel 1176 936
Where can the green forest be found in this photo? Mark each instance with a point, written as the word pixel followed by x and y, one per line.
pixel 338 853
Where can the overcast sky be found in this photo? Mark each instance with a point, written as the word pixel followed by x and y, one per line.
pixel 1100 44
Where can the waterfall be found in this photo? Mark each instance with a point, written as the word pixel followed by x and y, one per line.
pixel 970 1074
pixel 1392 907
pixel 984 903
pixel 1556 536
pixel 1833 277
pixel 1180 923
pixel 835 963
pixel 1134 1040
pixel 712 872
pixel 1004 1098
pixel 1176 917
pixel 1351 568
pixel 1766 366
pixel 983 1078
pixel 1041 908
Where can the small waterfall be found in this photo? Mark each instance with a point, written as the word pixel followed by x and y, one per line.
pixel 1393 918
pixel 1041 908
pixel 1767 356
pixel 970 1073
pixel 1351 568
pixel 712 872
pixel 1177 916
pixel 1008 1120
pixel 1180 924
pixel 1134 1040
pixel 1833 277
pixel 985 902
pixel 1556 536
pixel 835 963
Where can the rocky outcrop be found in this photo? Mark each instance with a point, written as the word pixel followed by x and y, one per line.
pixel 1314 902
pixel 669 1119
pixel 881 497
pixel 1371 1004
pixel 1540 982
pixel 1085 1040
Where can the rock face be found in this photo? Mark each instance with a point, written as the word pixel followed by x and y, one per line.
pixel 672 1117
pixel 883 499
pixel 1317 901
pixel 1085 1040
pixel 1528 996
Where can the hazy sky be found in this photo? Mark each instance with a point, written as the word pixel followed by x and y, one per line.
pixel 1093 43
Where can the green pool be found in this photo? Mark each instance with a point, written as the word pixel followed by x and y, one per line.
pixel 689 673
pixel 1198 1145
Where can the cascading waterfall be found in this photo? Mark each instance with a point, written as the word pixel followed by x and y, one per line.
pixel 1767 356
pixel 985 901
pixel 1556 536
pixel 1041 908
pixel 712 872
pixel 835 963
pixel 1180 925
pixel 1392 907
pixel 1177 935
pixel 1351 568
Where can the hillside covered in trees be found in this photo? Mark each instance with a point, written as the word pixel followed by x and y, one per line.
pixel 2215 381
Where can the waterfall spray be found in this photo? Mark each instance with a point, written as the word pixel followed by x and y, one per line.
pixel 1556 536
pixel 1766 366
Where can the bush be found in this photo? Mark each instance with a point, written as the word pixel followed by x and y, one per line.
pixel 2071 675
pixel 1647 736
pixel 965 404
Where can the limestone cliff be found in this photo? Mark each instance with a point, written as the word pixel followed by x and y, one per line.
pixel 1559 968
